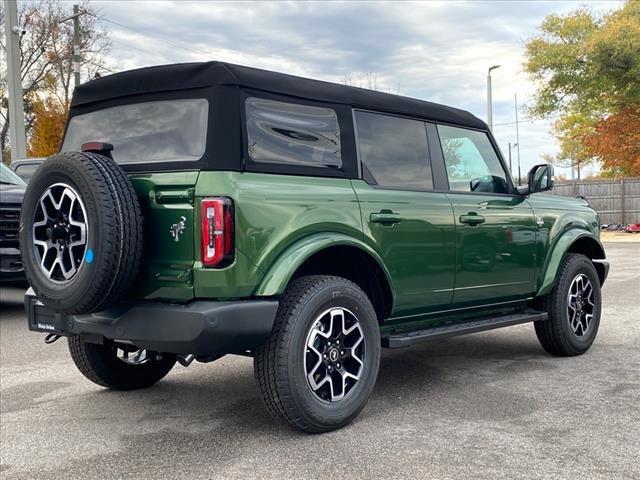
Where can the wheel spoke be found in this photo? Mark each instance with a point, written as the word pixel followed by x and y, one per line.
pixel 138 357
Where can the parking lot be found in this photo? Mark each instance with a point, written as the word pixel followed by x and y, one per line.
pixel 489 405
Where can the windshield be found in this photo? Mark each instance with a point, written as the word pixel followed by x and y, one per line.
pixel 8 177
pixel 163 131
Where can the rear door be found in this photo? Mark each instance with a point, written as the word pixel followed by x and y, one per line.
pixel 408 223
pixel 495 227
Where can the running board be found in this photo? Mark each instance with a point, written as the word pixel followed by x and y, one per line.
pixel 406 339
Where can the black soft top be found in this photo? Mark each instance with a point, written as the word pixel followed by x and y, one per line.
pixel 186 76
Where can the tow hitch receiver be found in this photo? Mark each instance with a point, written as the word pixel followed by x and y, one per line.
pixel 50 338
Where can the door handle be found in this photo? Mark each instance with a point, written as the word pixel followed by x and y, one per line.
pixel 472 218
pixel 385 217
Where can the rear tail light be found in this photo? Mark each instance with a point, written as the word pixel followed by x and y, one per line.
pixel 217 232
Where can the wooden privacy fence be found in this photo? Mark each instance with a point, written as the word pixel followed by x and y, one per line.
pixel 616 200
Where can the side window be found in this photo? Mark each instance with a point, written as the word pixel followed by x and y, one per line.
pixel 472 163
pixel 292 134
pixel 394 151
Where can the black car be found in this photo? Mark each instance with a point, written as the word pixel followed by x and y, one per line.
pixel 12 189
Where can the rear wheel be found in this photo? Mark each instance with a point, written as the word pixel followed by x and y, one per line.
pixel 574 307
pixel 119 367
pixel 319 366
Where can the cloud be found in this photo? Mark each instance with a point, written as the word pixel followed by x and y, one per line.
pixel 437 51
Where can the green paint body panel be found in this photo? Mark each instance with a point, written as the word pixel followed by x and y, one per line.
pixel 278 276
pixel 495 259
pixel 418 251
pixel 272 213
pixel 167 266
pixel 434 265
pixel 566 220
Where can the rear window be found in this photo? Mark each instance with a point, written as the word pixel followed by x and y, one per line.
pixel 292 134
pixel 163 131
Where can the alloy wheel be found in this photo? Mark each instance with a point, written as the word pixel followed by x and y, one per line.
pixel 580 304
pixel 335 352
pixel 60 232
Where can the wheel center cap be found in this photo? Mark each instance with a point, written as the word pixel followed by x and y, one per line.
pixel 59 232
pixel 333 354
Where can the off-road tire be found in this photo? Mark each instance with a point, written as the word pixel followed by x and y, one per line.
pixel 115 233
pixel 278 364
pixel 555 334
pixel 100 364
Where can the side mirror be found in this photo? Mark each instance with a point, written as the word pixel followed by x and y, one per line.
pixel 540 179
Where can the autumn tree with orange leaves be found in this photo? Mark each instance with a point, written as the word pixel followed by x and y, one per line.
pixel 587 70
pixel 46 50
pixel 50 118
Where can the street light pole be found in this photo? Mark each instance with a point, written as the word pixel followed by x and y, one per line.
pixel 16 109
pixel 489 100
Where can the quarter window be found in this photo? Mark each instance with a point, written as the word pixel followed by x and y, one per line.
pixel 394 151
pixel 471 161
pixel 292 134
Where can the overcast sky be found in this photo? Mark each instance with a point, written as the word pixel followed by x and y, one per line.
pixel 437 51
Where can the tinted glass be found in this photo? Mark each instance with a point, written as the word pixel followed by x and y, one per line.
pixel 394 151
pixel 171 130
pixel 472 163
pixel 8 177
pixel 293 134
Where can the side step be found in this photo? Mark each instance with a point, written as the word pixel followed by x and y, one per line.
pixel 405 339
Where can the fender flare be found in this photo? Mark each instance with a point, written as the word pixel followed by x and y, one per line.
pixel 287 263
pixel 558 252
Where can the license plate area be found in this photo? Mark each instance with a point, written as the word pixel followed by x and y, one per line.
pixel 42 319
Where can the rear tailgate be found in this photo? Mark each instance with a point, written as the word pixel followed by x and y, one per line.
pixel 166 199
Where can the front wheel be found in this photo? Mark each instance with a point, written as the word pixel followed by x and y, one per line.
pixel 320 364
pixel 119 367
pixel 574 306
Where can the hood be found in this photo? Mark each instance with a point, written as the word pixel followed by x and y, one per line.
pixel 559 202
pixel 11 193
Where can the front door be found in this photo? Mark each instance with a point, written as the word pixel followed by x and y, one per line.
pixel 495 227
pixel 408 223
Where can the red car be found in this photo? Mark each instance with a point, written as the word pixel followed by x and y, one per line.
pixel 633 228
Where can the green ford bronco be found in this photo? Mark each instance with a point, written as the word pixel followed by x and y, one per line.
pixel 204 209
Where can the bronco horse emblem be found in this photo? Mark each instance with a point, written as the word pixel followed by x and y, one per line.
pixel 177 229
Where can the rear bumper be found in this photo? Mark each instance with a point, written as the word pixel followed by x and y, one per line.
pixel 201 327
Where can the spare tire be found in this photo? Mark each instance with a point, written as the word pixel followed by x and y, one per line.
pixel 80 233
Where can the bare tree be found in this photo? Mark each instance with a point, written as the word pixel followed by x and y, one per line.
pixel 46 51
pixel 369 81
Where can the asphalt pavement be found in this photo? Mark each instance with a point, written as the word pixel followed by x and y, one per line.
pixel 489 405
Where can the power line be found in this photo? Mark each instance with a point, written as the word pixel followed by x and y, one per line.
pixel 164 39
pixel 529 120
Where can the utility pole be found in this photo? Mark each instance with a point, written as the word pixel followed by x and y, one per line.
pixel 16 109
pixel 76 43
pixel 515 96
pixel 511 147
pixel 489 99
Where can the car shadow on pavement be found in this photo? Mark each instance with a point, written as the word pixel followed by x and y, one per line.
pixel 444 378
